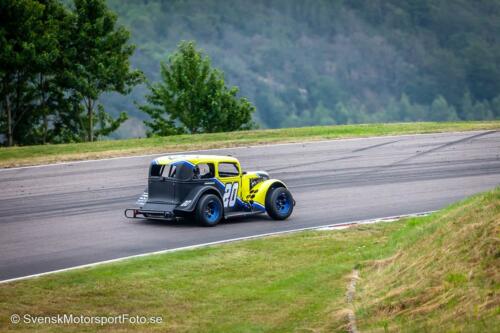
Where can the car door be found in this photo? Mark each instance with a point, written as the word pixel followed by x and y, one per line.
pixel 229 174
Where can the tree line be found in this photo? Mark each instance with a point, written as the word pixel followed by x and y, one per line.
pixel 56 61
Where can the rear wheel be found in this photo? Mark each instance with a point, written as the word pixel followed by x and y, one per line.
pixel 209 210
pixel 279 203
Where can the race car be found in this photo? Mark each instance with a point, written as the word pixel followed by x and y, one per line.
pixel 209 188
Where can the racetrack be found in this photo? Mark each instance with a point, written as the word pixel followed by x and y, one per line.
pixel 53 217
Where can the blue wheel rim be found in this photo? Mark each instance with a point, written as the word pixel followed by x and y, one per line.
pixel 283 204
pixel 212 211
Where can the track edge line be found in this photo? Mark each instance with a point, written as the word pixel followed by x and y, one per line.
pixel 336 226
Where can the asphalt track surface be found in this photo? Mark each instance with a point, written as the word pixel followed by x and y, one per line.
pixel 59 216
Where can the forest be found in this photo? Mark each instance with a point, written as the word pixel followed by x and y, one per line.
pixel 316 62
pixel 85 70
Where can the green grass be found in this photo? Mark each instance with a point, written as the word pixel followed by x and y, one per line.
pixel 443 275
pixel 31 155
pixel 436 273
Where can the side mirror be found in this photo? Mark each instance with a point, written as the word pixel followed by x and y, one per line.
pixel 244 173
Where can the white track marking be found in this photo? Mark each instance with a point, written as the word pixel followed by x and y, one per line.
pixel 232 148
pixel 337 226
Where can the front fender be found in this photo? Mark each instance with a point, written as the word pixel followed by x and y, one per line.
pixel 259 192
pixel 191 200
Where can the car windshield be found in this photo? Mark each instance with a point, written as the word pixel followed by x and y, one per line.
pixel 227 169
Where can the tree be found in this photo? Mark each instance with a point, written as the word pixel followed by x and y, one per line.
pixel 99 60
pixel 193 97
pixel 20 21
pixel 33 95
pixel 46 82
pixel 442 111
pixel 51 60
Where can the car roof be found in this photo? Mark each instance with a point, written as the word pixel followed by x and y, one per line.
pixel 194 159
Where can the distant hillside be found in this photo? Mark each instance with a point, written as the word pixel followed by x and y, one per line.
pixel 325 62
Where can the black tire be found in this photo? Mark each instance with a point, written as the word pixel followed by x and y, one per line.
pixel 209 210
pixel 279 203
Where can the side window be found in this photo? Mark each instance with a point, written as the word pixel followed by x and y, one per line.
pixel 172 171
pixel 228 170
pixel 204 171
pixel 157 170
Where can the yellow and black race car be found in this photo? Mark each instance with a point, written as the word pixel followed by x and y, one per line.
pixel 209 188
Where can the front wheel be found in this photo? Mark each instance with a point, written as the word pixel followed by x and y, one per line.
pixel 209 210
pixel 279 203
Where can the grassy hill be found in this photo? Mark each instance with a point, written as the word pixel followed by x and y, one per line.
pixel 438 273
pixel 443 276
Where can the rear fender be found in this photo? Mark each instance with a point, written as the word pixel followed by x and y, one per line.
pixel 259 192
pixel 191 200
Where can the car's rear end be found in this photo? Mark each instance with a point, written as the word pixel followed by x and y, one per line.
pixel 168 182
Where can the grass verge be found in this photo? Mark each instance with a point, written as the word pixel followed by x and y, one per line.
pixel 436 273
pixel 32 155
pixel 443 274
